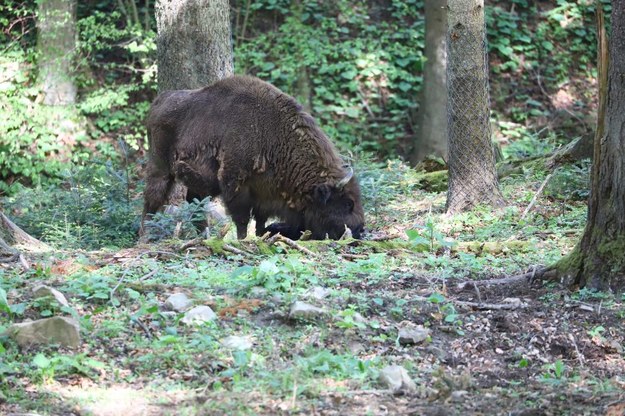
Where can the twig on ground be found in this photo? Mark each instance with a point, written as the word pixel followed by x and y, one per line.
pixel 360 392
pixel 350 256
pixel 280 238
pixel 178 229
pixel 580 357
pixel 24 262
pixel 347 234
pixel 520 279
pixel 142 326
pixel 384 237
pixel 294 395
pixel 492 306
pixel 477 292
pixel 234 250
pixel 148 275
pixel 536 195
pixel 191 243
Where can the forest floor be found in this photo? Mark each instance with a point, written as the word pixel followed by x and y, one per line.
pixel 532 349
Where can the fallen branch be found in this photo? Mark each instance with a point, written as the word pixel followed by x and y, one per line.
pixel 21 237
pixel 280 238
pixel 385 237
pixel 491 247
pixel 493 306
pixel 350 256
pixel 537 194
pixel 191 243
pixel 234 250
pixel 147 331
pixel 148 275
pixel 517 280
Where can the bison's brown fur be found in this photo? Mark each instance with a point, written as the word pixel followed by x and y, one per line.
pixel 247 141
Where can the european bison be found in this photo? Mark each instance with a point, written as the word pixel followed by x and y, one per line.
pixel 247 141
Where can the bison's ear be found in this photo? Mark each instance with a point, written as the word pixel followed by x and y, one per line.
pixel 321 193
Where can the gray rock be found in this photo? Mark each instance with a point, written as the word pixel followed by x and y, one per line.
pixel 55 330
pixel 258 292
pixel 178 302
pixel 43 291
pixel 458 395
pixel 303 310
pixel 396 379
pixel 355 347
pixel 234 342
pixel 358 318
pixel 317 293
pixel 413 335
pixel 199 315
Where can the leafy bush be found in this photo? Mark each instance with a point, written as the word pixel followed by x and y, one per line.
pixel 360 75
pixel 118 74
pixel 36 141
pixel 537 49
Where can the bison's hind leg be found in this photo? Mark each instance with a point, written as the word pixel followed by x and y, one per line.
pixel 155 195
pixel 239 206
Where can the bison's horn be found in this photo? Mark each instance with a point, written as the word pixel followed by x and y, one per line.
pixel 348 177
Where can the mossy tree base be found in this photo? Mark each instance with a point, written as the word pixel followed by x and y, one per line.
pixel 601 267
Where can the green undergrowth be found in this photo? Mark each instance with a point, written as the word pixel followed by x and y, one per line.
pixel 400 272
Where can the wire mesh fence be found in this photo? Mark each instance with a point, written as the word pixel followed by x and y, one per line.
pixel 472 173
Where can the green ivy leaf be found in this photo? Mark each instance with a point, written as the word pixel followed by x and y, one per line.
pixel 40 361
pixel 4 303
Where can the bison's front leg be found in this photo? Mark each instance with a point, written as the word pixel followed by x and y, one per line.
pixel 260 223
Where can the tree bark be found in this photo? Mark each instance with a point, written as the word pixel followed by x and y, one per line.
pixel 194 47
pixel 598 260
pixel 56 44
pixel 472 174
pixel 432 118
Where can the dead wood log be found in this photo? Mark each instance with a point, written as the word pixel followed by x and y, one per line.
pixel 20 237
pixel 510 283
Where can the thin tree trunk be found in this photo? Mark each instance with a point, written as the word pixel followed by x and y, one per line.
pixel 432 118
pixel 598 260
pixel 472 173
pixel 56 44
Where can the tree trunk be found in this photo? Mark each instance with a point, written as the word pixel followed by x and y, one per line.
pixel 432 118
pixel 472 174
pixel 194 43
pixel 598 261
pixel 56 44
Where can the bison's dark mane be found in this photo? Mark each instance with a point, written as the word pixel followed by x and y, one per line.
pixel 314 159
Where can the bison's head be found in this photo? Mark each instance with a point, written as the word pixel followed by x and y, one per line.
pixel 335 206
